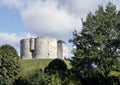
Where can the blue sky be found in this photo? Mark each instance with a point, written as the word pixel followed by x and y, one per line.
pixel 52 18
pixel 10 21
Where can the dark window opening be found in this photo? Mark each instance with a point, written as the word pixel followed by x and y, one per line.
pixel 48 54
pixel 33 55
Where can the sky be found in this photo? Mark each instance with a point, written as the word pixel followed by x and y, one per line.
pixel 20 19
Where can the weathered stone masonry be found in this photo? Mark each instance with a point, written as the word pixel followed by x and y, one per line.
pixel 43 48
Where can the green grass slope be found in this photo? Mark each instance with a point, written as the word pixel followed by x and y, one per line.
pixel 32 64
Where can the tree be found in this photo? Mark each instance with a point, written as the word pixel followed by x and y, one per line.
pixel 39 77
pixel 3 81
pixel 9 62
pixel 57 65
pixel 97 45
pixel 58 73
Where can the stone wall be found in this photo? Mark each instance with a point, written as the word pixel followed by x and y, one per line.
pixel 25 49
pixel 43 48
pixel 62 50
pixel 52 48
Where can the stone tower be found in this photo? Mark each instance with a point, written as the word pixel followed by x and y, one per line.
pixel 62 50
pixel 43 48
pixel 25 49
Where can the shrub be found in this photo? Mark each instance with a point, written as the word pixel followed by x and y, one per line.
pixel 57 65
pixel 9 66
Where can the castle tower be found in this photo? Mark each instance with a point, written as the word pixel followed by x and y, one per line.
pixel 52 48
pixel 39 47
pixel 45 48
pixel 25 49
pixel 62 50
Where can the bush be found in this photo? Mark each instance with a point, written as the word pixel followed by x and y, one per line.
pixel 9 64
pixel 57 65
pixel 38 77
pixel 3 81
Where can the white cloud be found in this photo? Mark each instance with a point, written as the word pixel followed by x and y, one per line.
pixel 53 17
pixel 81 8
pixel 14 39
pixel 49 17
pixel 6 38
pixel 46 19
pixel 12 3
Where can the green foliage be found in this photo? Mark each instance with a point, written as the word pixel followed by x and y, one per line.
pixel 59 74
pixel 54 79
pixel 9 62
pixel 3 81
pixel 28 66
pixel 97 46
pixel 21 80
pixel 57 65
pixel 39 78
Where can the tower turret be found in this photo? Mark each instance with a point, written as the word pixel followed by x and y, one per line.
pixel 62 50
pixel 25 49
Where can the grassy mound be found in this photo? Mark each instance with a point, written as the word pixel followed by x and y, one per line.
pixel 32 64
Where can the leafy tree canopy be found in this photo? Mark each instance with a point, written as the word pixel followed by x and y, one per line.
pixel 57 65
pixel 98 44
pixel 9 62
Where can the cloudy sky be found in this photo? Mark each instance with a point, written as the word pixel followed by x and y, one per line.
pixel 54 18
